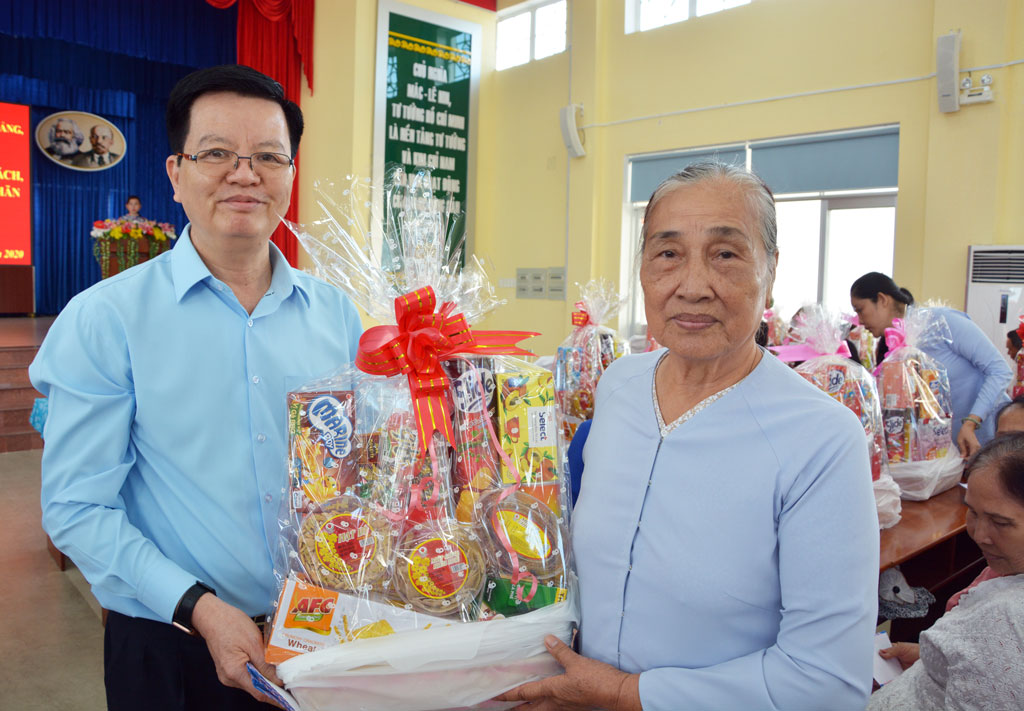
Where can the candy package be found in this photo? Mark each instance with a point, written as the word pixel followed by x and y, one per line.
pixel 586 353
pixel 427 506
pixel 826 364
pixel 916 407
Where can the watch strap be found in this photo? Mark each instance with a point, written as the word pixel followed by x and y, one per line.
pixel 182 618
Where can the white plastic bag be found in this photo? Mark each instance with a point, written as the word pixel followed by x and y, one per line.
pixel 919 481
pixel 887 500
pixel 460 666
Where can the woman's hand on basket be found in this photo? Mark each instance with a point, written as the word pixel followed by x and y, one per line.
pixel 586 684
pixel 967 441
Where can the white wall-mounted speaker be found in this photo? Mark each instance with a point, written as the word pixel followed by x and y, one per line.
pixel 570 118
pixel 947 71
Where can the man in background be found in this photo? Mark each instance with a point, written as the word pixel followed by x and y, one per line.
pixel 102 139
pixel 65 138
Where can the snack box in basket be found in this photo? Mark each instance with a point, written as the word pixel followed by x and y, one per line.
pixel 310 618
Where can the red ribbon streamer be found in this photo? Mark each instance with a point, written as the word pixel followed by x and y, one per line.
pixel 417 344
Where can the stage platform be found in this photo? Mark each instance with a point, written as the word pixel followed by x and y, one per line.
pixel 20 338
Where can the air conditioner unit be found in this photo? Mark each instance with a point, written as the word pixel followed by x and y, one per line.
pixel 995 289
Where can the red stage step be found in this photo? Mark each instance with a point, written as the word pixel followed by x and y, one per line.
pixel 20 339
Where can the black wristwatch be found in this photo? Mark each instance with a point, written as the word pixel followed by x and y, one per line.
pixel 183 612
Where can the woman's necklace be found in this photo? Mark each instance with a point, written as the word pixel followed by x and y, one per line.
pixel 665 429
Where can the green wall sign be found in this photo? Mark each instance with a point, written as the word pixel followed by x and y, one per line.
pixel 429 83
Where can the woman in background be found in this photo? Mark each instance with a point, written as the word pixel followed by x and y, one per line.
pixel 973 656
pixel 978 374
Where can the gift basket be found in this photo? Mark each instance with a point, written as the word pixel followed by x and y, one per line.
pixel 424 548
pixel 916 407
pixel 775 332
pixel 864 342
pixel 586 353
pixel 827 365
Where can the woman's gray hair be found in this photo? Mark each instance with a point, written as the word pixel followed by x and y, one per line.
pixel 1004 455
pixel 761 199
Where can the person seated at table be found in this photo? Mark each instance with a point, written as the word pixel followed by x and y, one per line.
pixel 1010 417
pixel 978 374
pixel 973 656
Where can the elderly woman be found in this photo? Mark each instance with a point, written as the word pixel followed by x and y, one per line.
pixel 973 656
pixel 978 374
pixel 726 537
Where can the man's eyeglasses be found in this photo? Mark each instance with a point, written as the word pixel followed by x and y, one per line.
pixel 218 161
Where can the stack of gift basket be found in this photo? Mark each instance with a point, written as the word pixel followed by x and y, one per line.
pixel 583 357
pixel 827 364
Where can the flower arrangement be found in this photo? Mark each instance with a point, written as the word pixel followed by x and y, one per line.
pixel 124 236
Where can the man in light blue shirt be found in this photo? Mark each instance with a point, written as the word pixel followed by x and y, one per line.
pixel 165 461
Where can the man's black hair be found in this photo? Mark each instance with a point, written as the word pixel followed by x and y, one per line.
pixel 234 78
pixel 1015 402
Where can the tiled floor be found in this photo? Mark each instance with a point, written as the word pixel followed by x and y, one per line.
pixel 51 638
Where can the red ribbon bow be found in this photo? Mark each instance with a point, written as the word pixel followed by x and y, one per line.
pixel 416 346
pixel 580 317
pixel 1020 328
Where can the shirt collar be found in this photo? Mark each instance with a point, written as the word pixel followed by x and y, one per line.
pixel 188 269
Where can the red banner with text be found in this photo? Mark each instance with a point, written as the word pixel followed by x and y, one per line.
pixel 15 185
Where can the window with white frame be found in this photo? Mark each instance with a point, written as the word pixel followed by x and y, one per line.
pixel 644 15
pixel 827 238
pixel 532 30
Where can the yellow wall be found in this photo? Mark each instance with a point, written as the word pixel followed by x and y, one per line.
pixel 961 175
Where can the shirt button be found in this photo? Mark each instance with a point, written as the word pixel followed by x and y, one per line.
pixel 256 380
pixel 631 567
pixel 650 481
pixel 250 323
pixel 220 287
pixel 622 614
pixel 261 437
pixel 268 498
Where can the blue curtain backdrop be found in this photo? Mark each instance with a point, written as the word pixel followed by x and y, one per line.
pixel 118 59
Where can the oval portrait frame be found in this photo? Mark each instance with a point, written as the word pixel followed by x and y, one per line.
pixel 83 122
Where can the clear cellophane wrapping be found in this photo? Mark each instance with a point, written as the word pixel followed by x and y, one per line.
pixel 585 354
pixel 914 389
pixel 391 544
pixel 917 409
pixel 851 384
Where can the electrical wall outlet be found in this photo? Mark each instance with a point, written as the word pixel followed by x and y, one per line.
pixel 531 283
pixel 556 283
